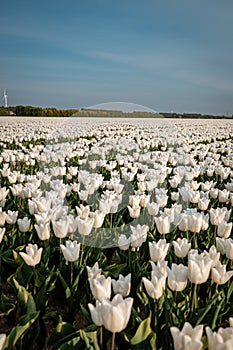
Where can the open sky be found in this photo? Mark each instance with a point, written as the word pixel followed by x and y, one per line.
pixel 164 54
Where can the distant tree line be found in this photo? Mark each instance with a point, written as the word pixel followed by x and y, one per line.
pixel 29 111
pixel 194 115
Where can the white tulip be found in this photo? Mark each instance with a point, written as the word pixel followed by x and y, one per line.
pixel 229 248
pixel 198 267
pixel 224 229
pixel 2 340
pixel 134 211
pixel 155 288
pixel 116 313
pixel 124 242
pixel 158 250
pixel 96 313
pixel 163 224
pixel 222 339
pixel 177 277
pixel 122 285
pixel 138 236
pixel 24 224
pixel 32 256
pixel 85 226
pixel 181 247
pixel 70 250
pixel 60 227
pixel 220 245
pixel 188 338
pixel 219 274
pixel 11 217
pixel 95 271
pixel 100 287
pixel 43 231
pixel 2 232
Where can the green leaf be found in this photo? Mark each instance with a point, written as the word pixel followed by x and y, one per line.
pixel 6 308
pixel 230 290
pixel 24 325
pixel 206 309
pixel 71 344
pixel 65 286
pixel 143 332
pixel 42 294
pixel 25 298
pixel 114 270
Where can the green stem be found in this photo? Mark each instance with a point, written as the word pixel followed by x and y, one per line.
pixel 34 282
pixel 71 273
pixel 82 251
pixel 156 315
pixel 215 233
pixel 194 297
pixel 101 337
pixel 111 218
pixel 113 341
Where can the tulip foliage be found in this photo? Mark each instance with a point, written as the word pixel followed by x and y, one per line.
pixel 116 234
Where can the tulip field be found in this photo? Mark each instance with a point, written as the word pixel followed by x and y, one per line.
pixel 116 234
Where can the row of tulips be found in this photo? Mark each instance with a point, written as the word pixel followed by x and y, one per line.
pixel 148 202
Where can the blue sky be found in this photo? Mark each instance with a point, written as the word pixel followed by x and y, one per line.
pixel 166 54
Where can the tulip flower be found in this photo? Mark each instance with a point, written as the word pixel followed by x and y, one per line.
pixel 2 232
pixel 159 269
pixel 203 203
pixel 156 286
pixel 213 255
pixel 223 196
pixel 124 242
pixel 83 211
pixel 163 224
pixel 229 248
pixel 221 245
pixel 122 285
pixel 134 211
pixel 2 218
pixel 116 313
pixel 100 287
pixel 158 250
pixel 96 313
pixel 188 338
pixel 138 236
pixel 24 224
pixel 219 274
pixel 152 208
pixel 177 277
pixel 181 247
pixel 71 250
pixel 218 215
pixel 95 271
pixel 222 339
pixel 98 218
pixel 60 227
pixel 2 340
pixel 198 267
pixel 224 229
pixel 43 231
pixel 11 217
pixel 32 256
pixel 85 226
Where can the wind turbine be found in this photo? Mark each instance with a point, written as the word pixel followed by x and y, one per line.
pixel 5 98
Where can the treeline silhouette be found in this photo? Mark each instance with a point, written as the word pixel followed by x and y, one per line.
pixel 29 111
